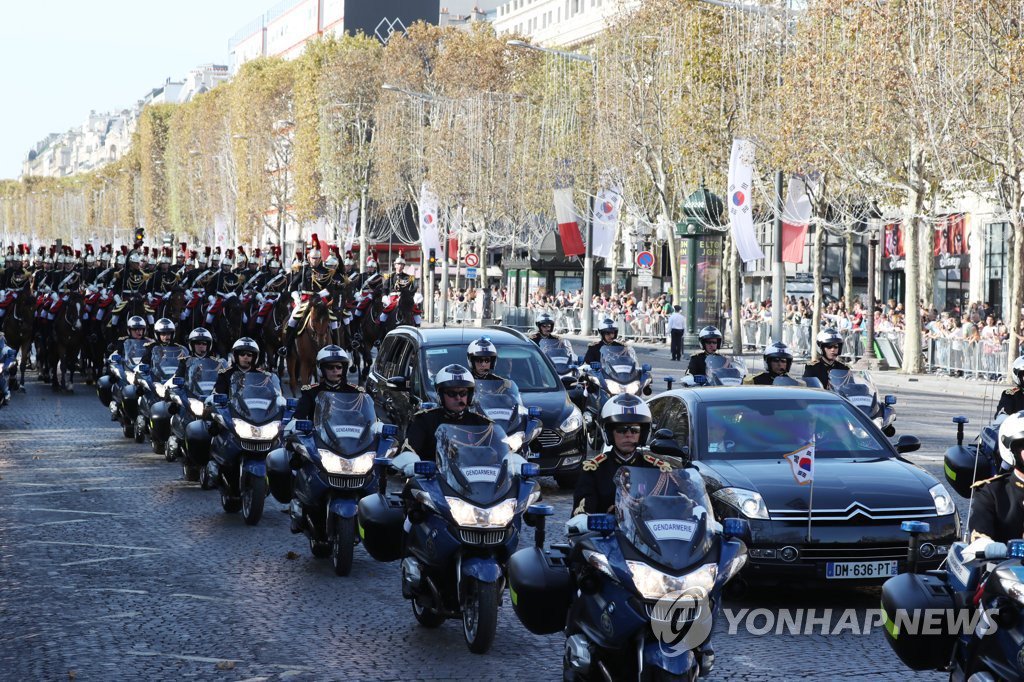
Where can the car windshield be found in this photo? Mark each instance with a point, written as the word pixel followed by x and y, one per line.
pixel 256 397
pixel 769 429
pixel 619 363
pixel 559 352
pixel 723 371
pixel 473 461
pixel 202 375
pixel 664 515
pixel 133 350
pixel 499 401
pixel 343 422
pixel 165 360
pixel 857 387
pixel 522 363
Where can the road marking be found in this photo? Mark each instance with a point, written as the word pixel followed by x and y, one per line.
pixel 200 597
pixel 119 590
pixel 91 544
pixel 46 523
pixel 43 492
pixel 40 485
pixel 111 558
pixel 180 657
pixel 63 511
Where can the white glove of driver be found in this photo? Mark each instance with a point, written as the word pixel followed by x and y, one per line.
pixel 515 464
pixel 406 462
pixel 577 524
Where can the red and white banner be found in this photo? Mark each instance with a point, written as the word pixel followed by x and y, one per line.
pixel 430 236
pixel 606 220
pixel 568 227
pixel 741 189
pixel 796 217
pixel 351 217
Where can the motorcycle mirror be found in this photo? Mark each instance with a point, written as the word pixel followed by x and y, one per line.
pixel 890 400
pixel 595 366
pixel 534 412
pixel 667 447
pixel 144 369
pixel 291 403
pixel 427 469
pixel 398 383
pixel 428 405
pixel 601 523
pixel 738 529
pixel 115 357
pixel 388 430
pixel 664 433
pixel 220 399
pixel 568 381
pixel 304 425
pixel 529 470
pixel 645 367
pixel 907 444
pixel 573 366
pixel 178 381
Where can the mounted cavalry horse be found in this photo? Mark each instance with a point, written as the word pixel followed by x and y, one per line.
pixel 383 314
pixel 66 340
pixel 18 324
pixel 313 334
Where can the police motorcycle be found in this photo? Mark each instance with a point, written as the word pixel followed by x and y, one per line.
pixel 117 389
pixel 725 371
pixel 499 400
pixel 8 359
pixel 859 389
pixel 560 352
pixel 187 405
pixel 464 517
pixel 636 595
pixel 618 372
pixel 335 453
pixel 153 383
pixel 246 426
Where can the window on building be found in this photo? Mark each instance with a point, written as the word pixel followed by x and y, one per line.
pixel 996 264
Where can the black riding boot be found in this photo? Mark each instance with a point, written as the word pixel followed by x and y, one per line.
pixel 289 340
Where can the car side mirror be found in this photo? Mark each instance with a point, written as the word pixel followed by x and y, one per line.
pixel 907 444
pixel 398 383
pixel 890 400
pixel 670 448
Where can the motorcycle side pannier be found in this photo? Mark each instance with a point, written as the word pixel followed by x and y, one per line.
pixel 959 467
pixel 540 589
pixel 381 521
pixel 919 611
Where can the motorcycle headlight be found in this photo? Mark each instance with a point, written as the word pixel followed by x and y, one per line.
pixel 653 584
pixel 130 376
pixel 515 441
pixel 943 503
pixel 748 502
pixel 161 390
pixel 357 466
pixel 599 561
pixel 249 432
pixel 466 514
pixel 196 406
pixel 878 422
pixel 574 422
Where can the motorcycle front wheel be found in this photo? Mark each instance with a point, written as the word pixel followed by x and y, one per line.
pixel 231 504
pixel 254 494
pixel 140 429
pixel 343 545
pixel 479 615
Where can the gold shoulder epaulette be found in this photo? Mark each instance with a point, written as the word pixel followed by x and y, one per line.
pixel 662 465
pixel 308 387
pixel 592 463
pixel 978 484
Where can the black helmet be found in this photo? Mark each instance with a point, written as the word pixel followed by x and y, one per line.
pixel 827 337
pixel 625 409
pixel 245 344
pixel 200 335
pixel 777 350
pixel 709 333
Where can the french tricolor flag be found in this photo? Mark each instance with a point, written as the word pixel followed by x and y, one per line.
pixel 568 228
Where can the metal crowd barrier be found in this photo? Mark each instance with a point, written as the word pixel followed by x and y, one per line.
pixel 969 359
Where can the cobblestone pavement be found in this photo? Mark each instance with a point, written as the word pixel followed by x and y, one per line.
pixel 113 567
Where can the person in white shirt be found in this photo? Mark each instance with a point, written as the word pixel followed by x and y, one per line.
pixel 677 327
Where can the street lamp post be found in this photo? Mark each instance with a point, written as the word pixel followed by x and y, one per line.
pixel 588 255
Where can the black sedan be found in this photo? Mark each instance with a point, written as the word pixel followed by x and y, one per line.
pixel 849 531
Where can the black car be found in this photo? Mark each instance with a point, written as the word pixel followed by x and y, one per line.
pixel 863 488
pixel 415 355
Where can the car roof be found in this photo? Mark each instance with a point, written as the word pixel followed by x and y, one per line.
pixel 729 394
pixel 438 336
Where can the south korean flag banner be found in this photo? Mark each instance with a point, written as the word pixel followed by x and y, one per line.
pixel 802 464
pixel 606 220
pixel 741 187
pixel 430 236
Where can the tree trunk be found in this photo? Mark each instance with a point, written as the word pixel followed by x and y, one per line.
pixel 927 262
pixel 848 271
pixel 673 254
pixel 613 261
pixel 911 298
pixel 818 259
pixel 1016 278
pixel 727 261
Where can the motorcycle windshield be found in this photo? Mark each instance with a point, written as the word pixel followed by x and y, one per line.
pixel 664 515
pixel 165 361
pixel 133 350
pixel 857 387
pixel 256 397
pixel 559 352
pixel 619 364
pixel 499 401
pixel 343 422
pixel 202 375
pixel 473 461
pixel 723 371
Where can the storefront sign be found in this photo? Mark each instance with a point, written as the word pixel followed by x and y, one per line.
pixel 897 263
pixel 951 262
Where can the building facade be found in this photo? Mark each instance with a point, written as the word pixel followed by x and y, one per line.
pixel 562 23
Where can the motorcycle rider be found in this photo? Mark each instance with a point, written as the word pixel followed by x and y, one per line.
pixel 398 282
pixel 545 327
pixel 333 362
pixel 136 330
pixel 245 354
pixel 626 421
pixel 609 334
pixel 455 387
pixel 221 286
pixel 830 347
pixel 777 363
pixel 163 330
pixel 312 279
pixel 200 345
pixel 482 356
pixel 997 510
pixel 1012 399
pixel 710 340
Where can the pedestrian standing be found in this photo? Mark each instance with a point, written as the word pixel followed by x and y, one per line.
pixel 677 327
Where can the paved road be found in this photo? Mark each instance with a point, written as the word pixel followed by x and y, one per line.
pixel 111 566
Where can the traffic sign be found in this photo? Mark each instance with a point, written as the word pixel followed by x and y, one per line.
pixel 646 277
pixel 472 260
pixel 645 259
pixel 470 273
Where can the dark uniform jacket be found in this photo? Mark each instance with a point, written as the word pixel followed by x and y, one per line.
pixel 595 488
pixel 224 283
pixel 131 281
pixel 310 279
pixel 998 508
pixel 764 379
pixel 161 282
pixel 42 281
pixel 1011 401
pixel 225 376
pixel 396 283
pixel 698 364
pixel 594 351
pixel 14 278
pixel 182 370
pixel 536 337
pixel 421 437
pixel 307 400
pixel 819 370
pixel 118 346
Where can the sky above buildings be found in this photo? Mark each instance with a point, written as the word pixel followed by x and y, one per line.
pixel 64 58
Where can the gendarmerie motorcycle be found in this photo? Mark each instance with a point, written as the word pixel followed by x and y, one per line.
pixel 859 389
pixel 153 383
pixel 499 400
pixel 617 372
pixel 117 389
pixel 187 405
pixel 246 425
pixel 566 363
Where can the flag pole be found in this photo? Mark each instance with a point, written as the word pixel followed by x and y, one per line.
pixel 810 503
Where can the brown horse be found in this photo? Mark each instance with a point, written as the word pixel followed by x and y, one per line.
pixel 271 333
pixel 227 326
pixel 313 334
pixel 195 318
pixel 18 324
pixel 170 305
pixel 66 342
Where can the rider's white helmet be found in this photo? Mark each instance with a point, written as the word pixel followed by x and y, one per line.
pixel 1011 441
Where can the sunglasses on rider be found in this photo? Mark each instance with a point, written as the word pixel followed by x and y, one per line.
pixel 487 360
pixel 831 345
pixel 457 394
pixel 246 354
pixel 335 368
pixel 627 429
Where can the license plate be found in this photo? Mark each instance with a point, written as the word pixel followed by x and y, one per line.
pixel 533 455
pixel 859 570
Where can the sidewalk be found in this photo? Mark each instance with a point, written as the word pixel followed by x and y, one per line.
pixel 887 381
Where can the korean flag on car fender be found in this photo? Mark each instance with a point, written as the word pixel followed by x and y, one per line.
pixel 802 463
